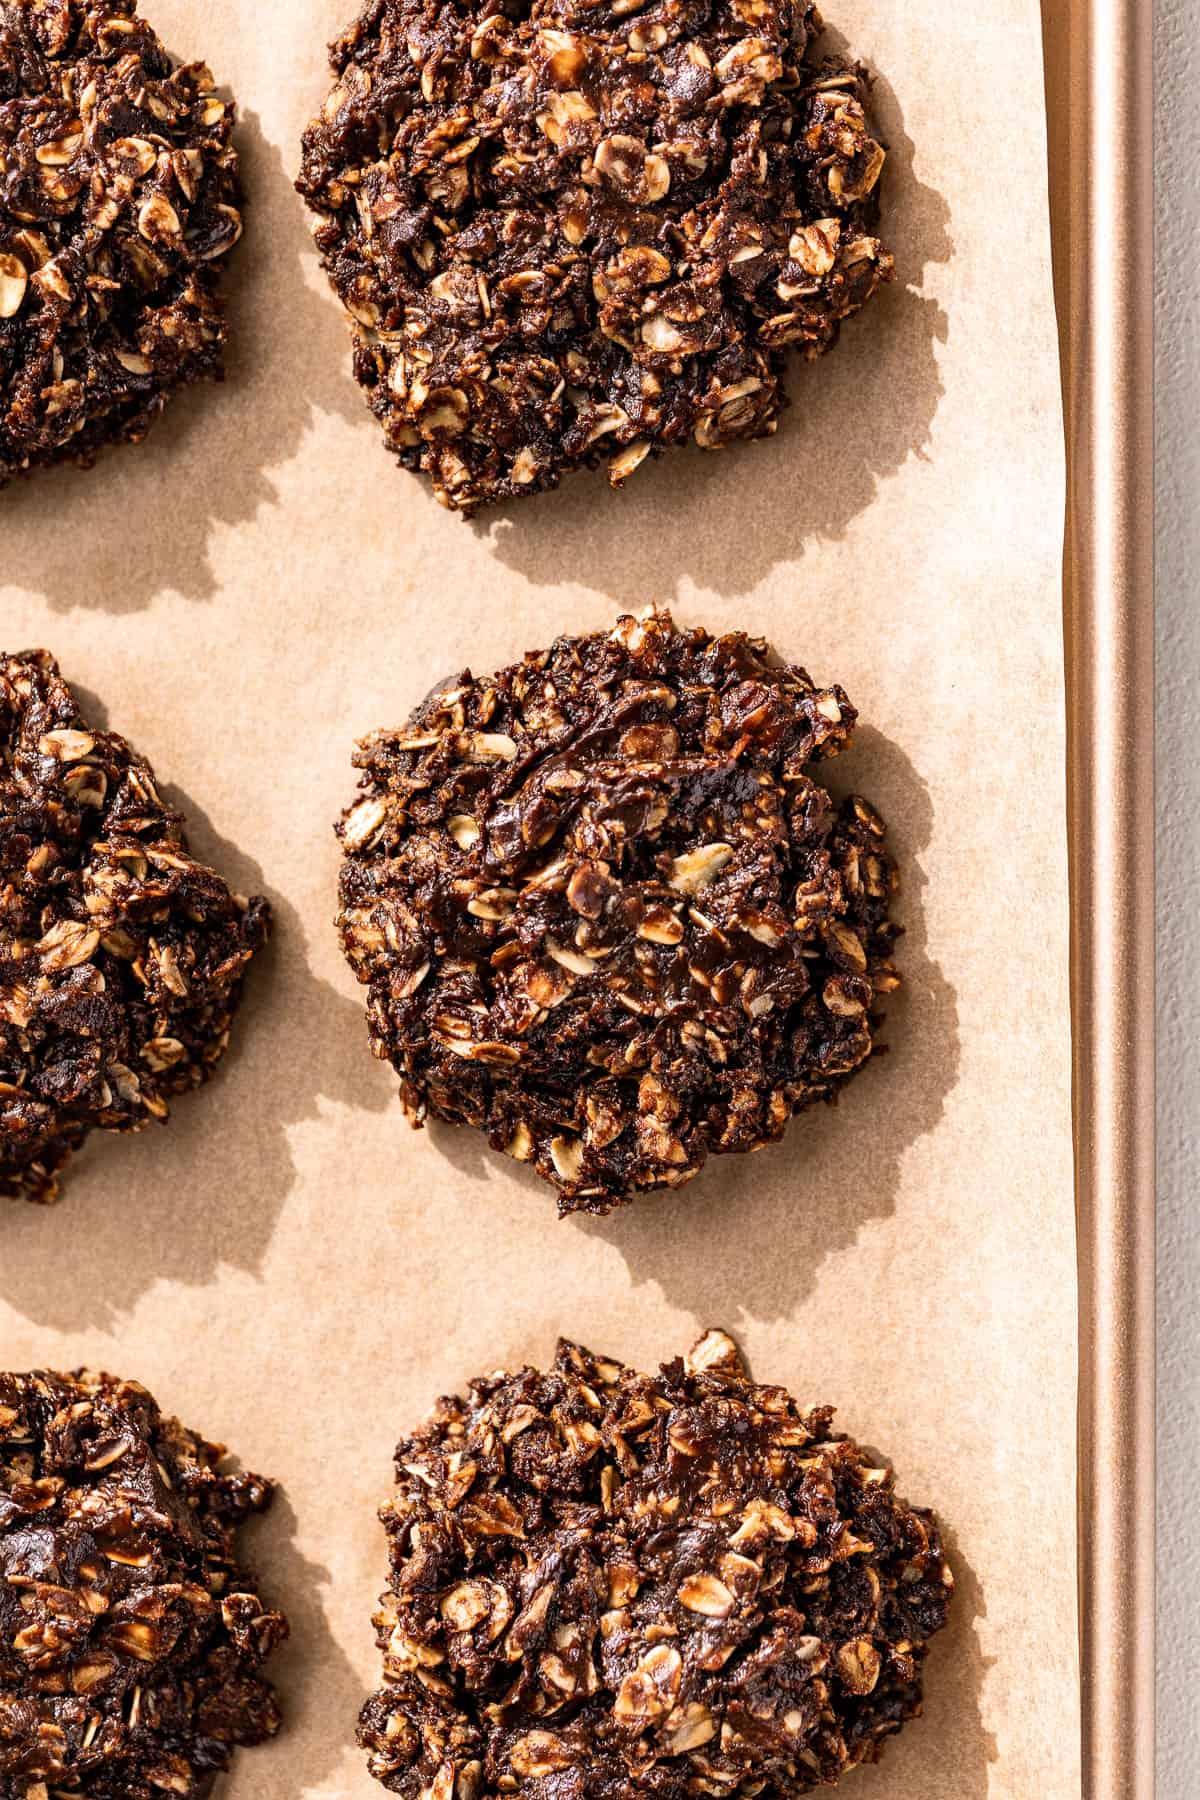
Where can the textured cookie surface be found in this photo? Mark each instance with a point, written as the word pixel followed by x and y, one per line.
pixel 571 232
pixel 121 957
pixel 607 1584
pixel 119 198
pixel 131 1640
pixel 607 914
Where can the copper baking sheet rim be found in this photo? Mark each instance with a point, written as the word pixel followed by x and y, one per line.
pixel 1099 99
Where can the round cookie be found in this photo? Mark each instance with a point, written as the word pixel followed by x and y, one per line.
pixel 121 957
pixel 119 198
pixel 606 1584
pixel 131 1640
pixel 607 913
pixel 572 232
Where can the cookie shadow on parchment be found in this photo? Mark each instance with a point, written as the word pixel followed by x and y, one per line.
pixel 203 1192
pixel 763 1226
pixel 722 520
pixel 948 1750
pixel 147 519
pixel 319 1692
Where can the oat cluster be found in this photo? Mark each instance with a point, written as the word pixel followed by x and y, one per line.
pixel 119 198
pixel 607 913
pixel 121 957
pixel 575 231
pixel 131 1641
pixel 606 1584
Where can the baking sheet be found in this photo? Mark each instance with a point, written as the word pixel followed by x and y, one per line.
pixel 287 1266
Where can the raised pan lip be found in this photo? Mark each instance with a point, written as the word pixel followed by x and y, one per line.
pixel 1100 115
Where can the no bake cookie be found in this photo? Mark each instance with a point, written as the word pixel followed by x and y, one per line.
pixel 607 913
pixel 119 199
pixel 606 1584
pixel 570 233
pixel 121 957
pixel 131 1638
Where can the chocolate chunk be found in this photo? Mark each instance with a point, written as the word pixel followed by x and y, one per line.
pixel 119 198
pixel 572 232
pixel 607 1584
pixel 131 1640
pixel 121 957
pixel 606 913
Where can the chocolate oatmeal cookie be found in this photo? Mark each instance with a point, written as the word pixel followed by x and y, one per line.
pixel 119 198
pixel 131 1641
pixel 607 913
pixel 607 1584
pixel 571 232
pixel 121 957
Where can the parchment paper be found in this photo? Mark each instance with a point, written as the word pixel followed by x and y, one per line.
pixel 291 1269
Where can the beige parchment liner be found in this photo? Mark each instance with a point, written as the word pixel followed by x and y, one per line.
pixel 295 1272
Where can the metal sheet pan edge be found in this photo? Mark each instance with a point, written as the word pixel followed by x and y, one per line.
pixel 1099 95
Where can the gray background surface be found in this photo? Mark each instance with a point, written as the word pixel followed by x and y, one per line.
pixel 1177 55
